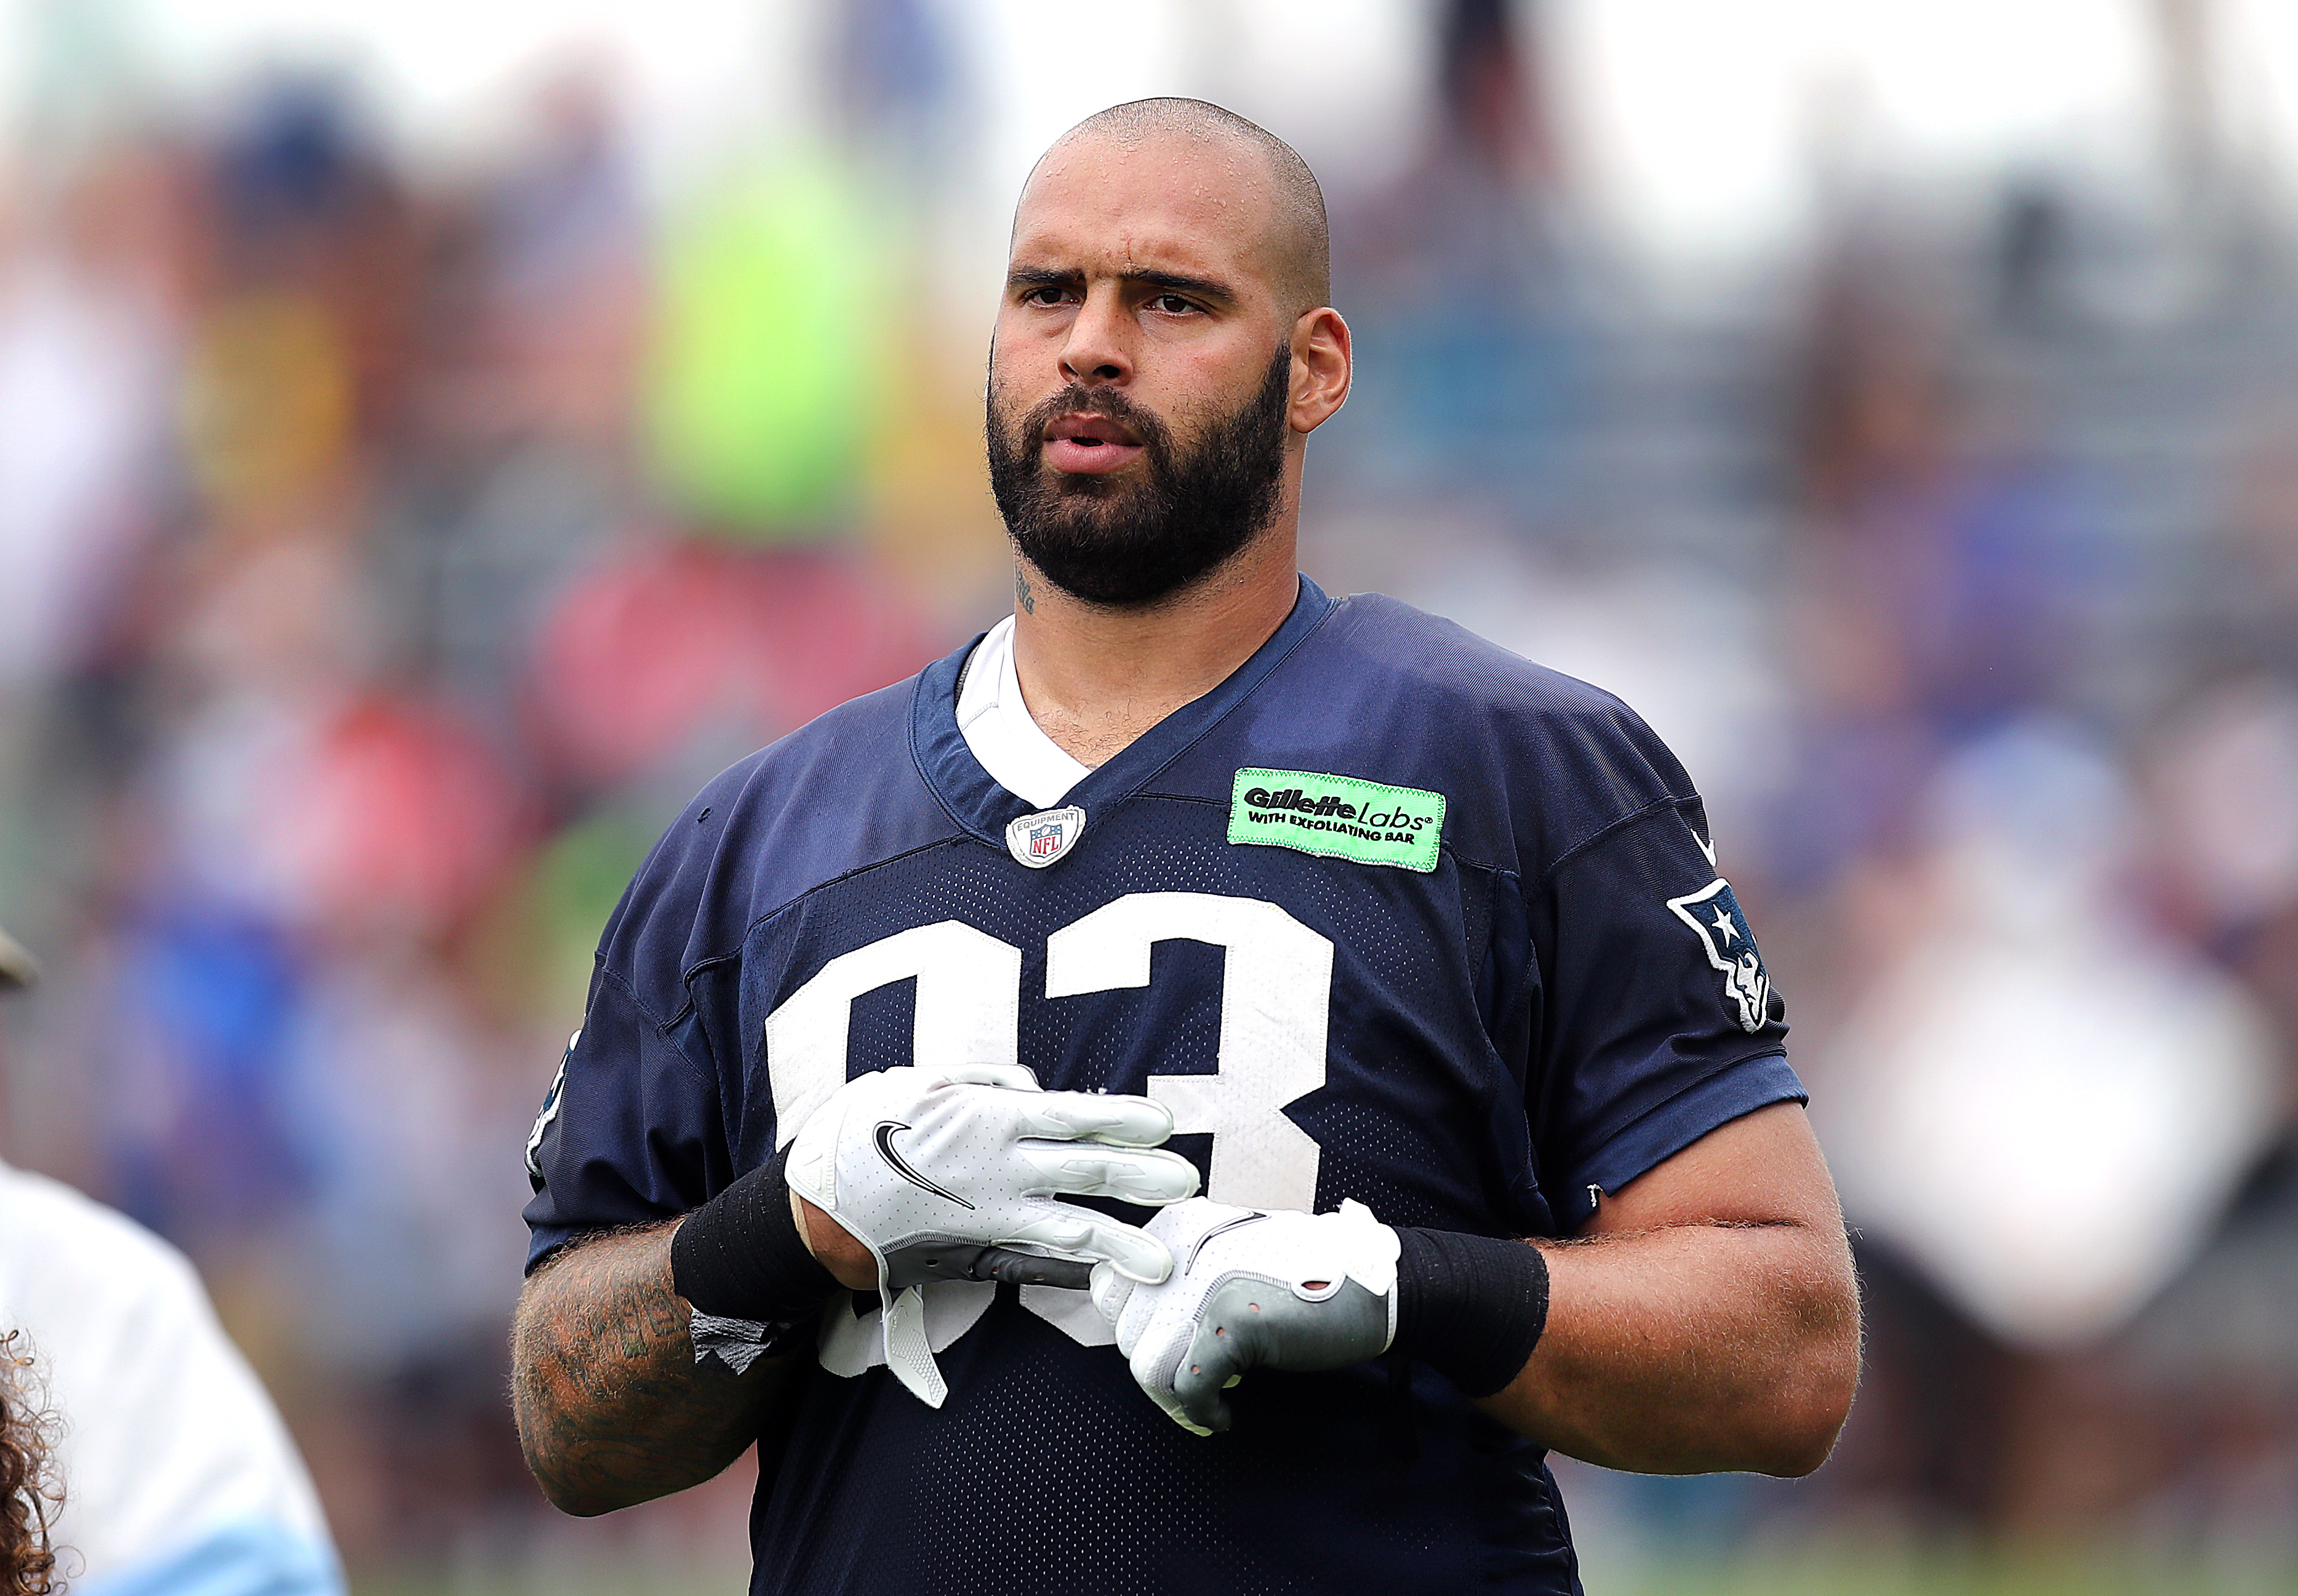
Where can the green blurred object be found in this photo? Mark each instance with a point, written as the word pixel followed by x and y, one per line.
pixel 576 881
pixel 768 345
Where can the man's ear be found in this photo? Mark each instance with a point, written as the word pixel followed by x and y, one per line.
pixel 1321 369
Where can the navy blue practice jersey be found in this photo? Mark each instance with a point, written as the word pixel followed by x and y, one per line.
pixel 1390 915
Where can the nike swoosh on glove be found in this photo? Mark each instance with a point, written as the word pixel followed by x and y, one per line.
pixel 914 1162
pixel 1251 1288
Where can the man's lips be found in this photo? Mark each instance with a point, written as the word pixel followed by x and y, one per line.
pixel 1090 445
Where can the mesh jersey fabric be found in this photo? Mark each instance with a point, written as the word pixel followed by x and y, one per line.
pixel 1475 1047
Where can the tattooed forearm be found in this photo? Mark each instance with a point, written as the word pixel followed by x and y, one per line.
pixel 612 1408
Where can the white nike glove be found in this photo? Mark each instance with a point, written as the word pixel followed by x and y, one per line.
pixel 1249 1288
pixel 925 1167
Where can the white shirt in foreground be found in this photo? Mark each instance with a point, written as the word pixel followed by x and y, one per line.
pixel 1019 756
pixel 178 1473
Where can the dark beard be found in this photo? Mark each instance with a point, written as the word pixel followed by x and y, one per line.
pixel 1129 543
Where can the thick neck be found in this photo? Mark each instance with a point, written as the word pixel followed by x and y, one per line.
pixel 1096 678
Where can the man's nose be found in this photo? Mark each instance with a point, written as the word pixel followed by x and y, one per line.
pixel 1097 350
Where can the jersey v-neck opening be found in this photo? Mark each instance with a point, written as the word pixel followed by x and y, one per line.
pixel 976 802
pixel 1004 736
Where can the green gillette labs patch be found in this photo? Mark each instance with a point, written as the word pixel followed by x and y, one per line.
pixel 1338 817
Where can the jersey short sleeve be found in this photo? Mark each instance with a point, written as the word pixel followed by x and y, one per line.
pixel 631 1131
pixel 1659 1021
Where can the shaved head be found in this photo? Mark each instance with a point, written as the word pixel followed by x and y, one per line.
pixel 1296 241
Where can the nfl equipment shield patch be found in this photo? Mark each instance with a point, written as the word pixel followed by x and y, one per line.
pixel 1713 915
pixel 1039 840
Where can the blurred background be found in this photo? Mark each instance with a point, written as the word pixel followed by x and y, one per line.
pixel 434 439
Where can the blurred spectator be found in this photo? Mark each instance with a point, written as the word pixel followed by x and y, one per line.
pixel 175 1473
pixel 27 1493
pixel 1473 367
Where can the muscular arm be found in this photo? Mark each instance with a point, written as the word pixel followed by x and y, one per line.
pixel 612 1408
pixel 1708 1318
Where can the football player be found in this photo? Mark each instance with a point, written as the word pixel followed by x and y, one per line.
pixel 1201 1089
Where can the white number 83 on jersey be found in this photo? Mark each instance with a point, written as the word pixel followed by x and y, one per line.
pixel 1277 983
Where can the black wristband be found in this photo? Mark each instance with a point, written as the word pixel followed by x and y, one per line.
pixel 739 1254
pixel 1470 1307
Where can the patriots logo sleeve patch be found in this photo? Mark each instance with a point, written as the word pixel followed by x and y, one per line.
pixel 1713 915
pixel 1337 817
pixel 546 1113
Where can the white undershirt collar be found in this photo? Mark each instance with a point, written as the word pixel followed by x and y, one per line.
pixel 997 727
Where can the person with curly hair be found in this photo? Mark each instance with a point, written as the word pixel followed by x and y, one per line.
pixel 177 1472
pixel 28 1493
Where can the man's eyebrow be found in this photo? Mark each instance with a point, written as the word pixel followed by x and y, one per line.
pixel 1180 282
pixel 1042 276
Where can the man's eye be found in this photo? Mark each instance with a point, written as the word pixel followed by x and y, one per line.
pixel 1047 295
pixel 1172 304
